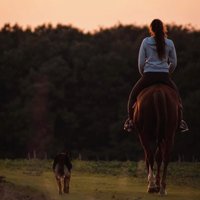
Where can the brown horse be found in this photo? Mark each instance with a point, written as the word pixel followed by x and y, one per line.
pixel 156 116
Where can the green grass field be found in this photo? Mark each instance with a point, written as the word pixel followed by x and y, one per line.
pixel 99 180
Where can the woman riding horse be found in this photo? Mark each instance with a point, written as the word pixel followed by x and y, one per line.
pixel 157 60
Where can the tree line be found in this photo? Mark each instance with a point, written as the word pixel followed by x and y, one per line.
pixel 63 88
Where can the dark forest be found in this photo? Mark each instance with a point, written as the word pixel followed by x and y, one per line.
pixel 63 88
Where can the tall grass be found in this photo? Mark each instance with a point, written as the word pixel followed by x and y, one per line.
pixel 128 168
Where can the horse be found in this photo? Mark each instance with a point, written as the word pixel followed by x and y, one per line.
pixel 62 170
pixel 156 116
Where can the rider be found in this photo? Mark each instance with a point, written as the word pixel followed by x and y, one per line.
pixel 156 61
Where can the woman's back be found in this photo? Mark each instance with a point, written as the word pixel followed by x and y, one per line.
pixel 149 60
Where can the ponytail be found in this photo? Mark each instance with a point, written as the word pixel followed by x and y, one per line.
pixel 158 30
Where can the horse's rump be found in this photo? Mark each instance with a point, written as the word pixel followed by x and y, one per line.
pixel 157 111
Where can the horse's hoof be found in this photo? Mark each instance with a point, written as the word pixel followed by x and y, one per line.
pixel 162 192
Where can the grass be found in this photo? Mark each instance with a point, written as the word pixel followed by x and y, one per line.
pixel 103 180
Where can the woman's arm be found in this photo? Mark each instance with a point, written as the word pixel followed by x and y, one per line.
pixel 141 58
pixel 172 58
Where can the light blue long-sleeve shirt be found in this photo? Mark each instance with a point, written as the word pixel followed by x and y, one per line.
pixel 148 60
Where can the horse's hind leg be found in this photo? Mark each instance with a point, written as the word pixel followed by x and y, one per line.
pixel 158 159
pixel 166 158
pixel 163 180
pixel 149 158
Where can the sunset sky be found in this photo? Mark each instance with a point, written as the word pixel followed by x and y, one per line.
pixel 89 15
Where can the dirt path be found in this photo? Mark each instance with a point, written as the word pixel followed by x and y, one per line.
pixel 10 191
pixel 87 186
pixel 106 187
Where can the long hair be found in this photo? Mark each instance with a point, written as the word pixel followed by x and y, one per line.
pixel 158 31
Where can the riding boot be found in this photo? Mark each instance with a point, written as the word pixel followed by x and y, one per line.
pixel 183 127
pixel 129 124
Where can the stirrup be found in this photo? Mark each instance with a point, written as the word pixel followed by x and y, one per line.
pixel 128 125
pixel 183 126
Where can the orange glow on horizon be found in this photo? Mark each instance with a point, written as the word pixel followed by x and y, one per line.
pixel 92 14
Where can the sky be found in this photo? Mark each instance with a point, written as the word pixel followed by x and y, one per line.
pixel 90 15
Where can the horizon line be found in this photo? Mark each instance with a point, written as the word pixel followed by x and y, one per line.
pixel 188 26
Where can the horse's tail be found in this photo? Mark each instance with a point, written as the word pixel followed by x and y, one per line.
pixel 161 115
